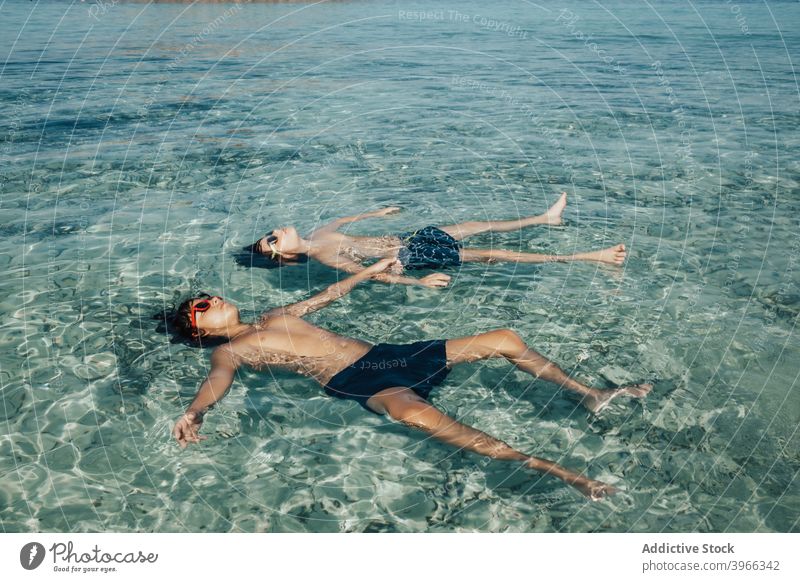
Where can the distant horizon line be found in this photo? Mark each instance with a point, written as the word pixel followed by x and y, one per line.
pixel 214 1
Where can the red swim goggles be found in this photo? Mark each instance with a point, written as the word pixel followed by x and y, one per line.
pixel 201 306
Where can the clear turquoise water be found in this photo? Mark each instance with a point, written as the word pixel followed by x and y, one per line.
pixel 140 145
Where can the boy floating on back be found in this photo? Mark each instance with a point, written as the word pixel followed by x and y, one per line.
pixel 393 379
pixel 428 248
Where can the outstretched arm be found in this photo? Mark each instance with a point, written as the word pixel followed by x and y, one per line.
pixel 331 294
pixel 214 387
pixel 339 222
pixel 432 280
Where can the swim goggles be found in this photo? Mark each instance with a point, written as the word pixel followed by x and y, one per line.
pixel 201 307
pixel 271 240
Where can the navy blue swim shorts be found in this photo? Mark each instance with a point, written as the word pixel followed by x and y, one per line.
pixel 419 366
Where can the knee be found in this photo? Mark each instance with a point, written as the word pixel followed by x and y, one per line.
pixel 410 412
pixel 508 342
pixel 481 255
pixel 497 449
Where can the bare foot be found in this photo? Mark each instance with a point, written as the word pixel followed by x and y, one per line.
pixel 595 490
pixel 553 214
pixel 599 399
pixel 612 255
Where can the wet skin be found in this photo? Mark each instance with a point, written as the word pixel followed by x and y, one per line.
pixel 282 339
pixel 347 252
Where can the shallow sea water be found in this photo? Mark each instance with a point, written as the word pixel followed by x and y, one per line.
pixel 142 145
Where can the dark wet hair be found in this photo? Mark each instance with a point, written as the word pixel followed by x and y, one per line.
pixel 176 325
pixel 182 320
pixel 250 256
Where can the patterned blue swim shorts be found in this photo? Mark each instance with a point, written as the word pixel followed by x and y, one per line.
pixel 429 248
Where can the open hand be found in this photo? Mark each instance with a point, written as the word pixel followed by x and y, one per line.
pixel 387 211
pixel 186 429
pixel 436 280
pixel 595 490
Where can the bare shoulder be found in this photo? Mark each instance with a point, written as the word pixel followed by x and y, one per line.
pixel 283 321
pixel 333 241
pixel 273 322
pixel 230 354
pixel 326 235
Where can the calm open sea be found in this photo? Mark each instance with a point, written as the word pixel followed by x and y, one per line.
pixel 142 145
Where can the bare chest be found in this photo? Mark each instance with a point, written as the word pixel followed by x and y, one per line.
pixel 358 249
pixel 307 350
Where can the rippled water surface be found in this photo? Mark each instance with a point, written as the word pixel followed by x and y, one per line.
pixel 142 145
